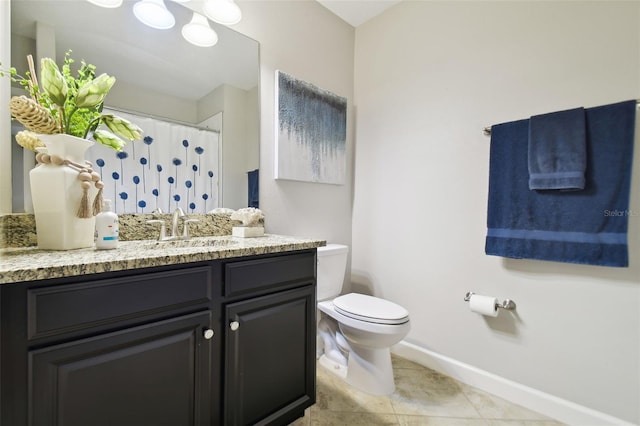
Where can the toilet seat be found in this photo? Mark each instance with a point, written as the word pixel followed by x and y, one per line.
pixel 370 309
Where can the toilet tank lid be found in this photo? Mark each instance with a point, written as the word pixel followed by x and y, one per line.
pixel 332 249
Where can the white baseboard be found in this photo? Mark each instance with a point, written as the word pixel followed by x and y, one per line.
pixel 551 406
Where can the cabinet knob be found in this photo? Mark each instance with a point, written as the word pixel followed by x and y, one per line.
pixel 234 325
pixel 208 333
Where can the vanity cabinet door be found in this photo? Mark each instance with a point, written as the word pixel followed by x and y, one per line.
pixel 155 374
pixel 270 358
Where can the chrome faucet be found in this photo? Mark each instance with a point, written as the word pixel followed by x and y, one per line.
pixel 177 213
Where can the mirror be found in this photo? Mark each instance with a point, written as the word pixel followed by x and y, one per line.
pixel 159 74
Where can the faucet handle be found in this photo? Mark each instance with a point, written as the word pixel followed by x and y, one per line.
pixel 163 228
pixel 185 229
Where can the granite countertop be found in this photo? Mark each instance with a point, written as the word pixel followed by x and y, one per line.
pixel 31 263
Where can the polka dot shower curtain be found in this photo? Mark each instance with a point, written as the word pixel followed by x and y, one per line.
pixel 174 166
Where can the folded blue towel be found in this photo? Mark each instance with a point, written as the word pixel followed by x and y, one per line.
pixel 253 178
pixel 557 150
pixel 589 226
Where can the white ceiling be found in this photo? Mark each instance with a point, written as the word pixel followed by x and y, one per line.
pixel 357 12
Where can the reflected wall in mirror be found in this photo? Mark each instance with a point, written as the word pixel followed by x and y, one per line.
pixel 159 75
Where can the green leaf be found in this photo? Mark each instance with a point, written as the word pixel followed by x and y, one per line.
pixel 52 81
pixel 109 139
pixel 93 93
pixel 122 127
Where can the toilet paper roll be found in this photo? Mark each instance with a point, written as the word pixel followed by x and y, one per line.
pixel 484 305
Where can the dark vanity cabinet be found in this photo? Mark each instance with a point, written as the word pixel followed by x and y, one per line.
pixel 269 315
pixel 227 342
pixel 157 374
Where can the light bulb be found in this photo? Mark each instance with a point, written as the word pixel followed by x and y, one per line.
pixel 198 32
pixel 224 12
pixel 154 14
pixel 106 3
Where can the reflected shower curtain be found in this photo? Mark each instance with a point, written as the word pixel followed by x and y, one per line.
pixel 174 166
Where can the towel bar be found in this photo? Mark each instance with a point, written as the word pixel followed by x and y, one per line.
pixel 506 304
pixel 487 130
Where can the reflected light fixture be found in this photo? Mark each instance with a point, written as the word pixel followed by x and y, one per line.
pixel 154 13
pixel 199 32
pixel 106 3
pixel 224 12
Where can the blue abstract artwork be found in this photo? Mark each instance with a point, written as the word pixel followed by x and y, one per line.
pixel 311 132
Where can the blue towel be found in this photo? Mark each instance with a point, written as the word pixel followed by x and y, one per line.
pixel 587 227
pixel 557 150
pixel 254 189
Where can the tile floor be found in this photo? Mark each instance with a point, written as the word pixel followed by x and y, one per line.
pixel 422 397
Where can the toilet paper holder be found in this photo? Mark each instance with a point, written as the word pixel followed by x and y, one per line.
pixel 506 304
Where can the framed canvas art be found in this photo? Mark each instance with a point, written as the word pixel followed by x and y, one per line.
pixel 311 132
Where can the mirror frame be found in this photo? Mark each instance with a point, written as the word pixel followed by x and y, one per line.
pixel 6 168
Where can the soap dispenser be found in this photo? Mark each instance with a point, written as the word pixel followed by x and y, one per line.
pixel 107 227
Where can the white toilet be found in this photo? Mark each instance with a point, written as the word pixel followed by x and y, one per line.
pixel 356 331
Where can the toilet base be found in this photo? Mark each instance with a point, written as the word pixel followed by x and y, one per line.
pixel 333 367
pixel 370 370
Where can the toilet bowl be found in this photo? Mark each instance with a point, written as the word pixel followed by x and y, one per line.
pixel 356 331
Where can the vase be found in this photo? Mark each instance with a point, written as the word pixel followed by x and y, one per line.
pixel 57 194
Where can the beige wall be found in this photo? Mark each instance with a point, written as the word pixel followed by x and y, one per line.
pixel 235 144
pixel 429 77
pixel 133 98
pixel 307 41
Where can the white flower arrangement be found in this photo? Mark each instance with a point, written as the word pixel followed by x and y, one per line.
pixel 248 216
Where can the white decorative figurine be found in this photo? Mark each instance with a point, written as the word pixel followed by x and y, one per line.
pixel 250 218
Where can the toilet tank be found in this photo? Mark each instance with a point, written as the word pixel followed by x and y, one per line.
pixel 332 264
